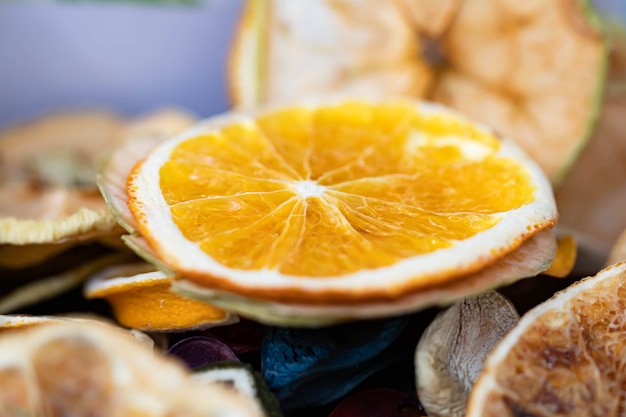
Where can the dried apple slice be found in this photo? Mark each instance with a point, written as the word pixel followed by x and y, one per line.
pixel 534 71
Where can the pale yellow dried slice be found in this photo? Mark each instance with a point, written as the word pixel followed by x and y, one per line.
pixel 141 299
pixel 563 358
pixel 74 369
pixel 532 258
pixel 532 70
pixel 47 178
pixel 337 201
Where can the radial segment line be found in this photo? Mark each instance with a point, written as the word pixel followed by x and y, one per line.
pixel 240 228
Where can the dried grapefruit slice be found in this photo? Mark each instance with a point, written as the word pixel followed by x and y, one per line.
pixel 336 200
pixel 564 357
pixel 74 369
pixel 533 71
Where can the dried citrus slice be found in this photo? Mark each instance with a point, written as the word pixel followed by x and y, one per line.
pixel 141 299
pixel 74 369
pixel 337 201
pixel 533 257
pixel 564 357
pixel 534 71
pixel 47 178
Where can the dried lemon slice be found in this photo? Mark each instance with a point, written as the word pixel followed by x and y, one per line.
pixel 141 299
pixel 337 201
pixel 97 369
pixel 564 357
pixel 534 71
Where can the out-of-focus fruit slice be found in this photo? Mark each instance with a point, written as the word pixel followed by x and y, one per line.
pixel 453 348
pixel 96 369
pixel 533 257
pixel 565 259
pixel 379 402
pixel 198 351
pixel 564 357
pixel 534 71
pixel 592 199
pixel 337 201
pixel 47 178
pixel 141 299
pixel 243 378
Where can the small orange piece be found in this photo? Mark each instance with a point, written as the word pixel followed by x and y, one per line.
pixel 143 300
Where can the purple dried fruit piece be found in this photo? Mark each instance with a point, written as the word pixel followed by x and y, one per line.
pixel 200 350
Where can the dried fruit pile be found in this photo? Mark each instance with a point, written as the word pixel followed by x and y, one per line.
pixel 359 253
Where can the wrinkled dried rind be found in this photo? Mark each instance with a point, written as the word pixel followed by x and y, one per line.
pixel 138 296
pixel 533 257
pixel 452 350
pixel 51 286
pixel 122 376
pixel 572 343
pixel 77 225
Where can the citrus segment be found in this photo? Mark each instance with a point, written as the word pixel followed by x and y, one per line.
pixel 564 357
pixel 380 190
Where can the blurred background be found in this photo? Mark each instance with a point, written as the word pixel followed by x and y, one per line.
pixel 130 56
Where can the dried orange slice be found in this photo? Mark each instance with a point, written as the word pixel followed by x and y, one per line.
pixel 141 299
pixel 564 357
pixel 337 200
pixel 532 71
pixel 73 369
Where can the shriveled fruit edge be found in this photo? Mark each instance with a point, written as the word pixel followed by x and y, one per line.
pixel 26 231
pixel 486 382
pixel 594 20
pixel 341 289
pixel 532 258
pixel 113 280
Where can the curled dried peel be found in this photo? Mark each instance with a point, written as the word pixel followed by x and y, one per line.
pixel 78 369
pixel 534 71
pixel 572 343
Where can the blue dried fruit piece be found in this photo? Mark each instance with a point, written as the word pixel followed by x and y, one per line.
pixel 307 367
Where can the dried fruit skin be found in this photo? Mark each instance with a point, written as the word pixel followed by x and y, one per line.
pixel 564 358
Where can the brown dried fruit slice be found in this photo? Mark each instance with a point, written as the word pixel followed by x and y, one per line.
pixel 74 369
pixel 563 358
pixel 532 70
